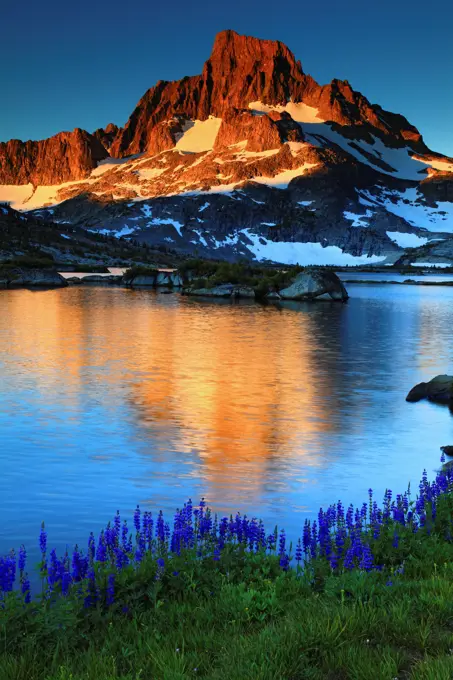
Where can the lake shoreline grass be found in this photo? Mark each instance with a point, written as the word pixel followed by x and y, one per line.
pixel 365 593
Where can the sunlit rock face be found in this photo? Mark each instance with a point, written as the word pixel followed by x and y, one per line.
pixel 250 159
pixel 64 157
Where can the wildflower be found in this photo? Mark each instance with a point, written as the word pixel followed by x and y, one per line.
pixel 91 547
pixel 22 558
pixel 282 542
pixel 284 562
pixel 366 562
pixel 66 582
pixel 298 554
pixel 137 519
pixel 43 541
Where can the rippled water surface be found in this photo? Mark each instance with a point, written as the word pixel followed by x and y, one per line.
pixel 109 397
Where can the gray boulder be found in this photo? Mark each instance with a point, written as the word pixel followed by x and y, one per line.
pixel 439 390
pixel 225 290
pixel 314 283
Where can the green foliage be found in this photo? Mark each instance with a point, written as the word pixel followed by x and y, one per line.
pixel 261 279
pixel 139 270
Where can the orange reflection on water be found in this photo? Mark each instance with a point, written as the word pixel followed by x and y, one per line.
pixel 237 384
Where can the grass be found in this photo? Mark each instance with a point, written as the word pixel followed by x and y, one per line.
pixel 237 612
pixel 354 627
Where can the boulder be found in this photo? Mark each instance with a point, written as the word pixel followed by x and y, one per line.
pixel 439 390
pixel 313 283
pixel 19 277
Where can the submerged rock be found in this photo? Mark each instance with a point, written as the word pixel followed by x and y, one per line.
pixel 439 390
pixel 313 283
pixel 18 277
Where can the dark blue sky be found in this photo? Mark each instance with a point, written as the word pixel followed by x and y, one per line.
pixel 85 64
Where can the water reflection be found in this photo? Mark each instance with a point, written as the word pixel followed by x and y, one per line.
pixel 113 396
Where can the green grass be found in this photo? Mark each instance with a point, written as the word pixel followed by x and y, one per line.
pixel 356 627
pixel 242 618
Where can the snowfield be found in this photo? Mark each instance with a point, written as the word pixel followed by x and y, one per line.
pixel 303 253
pixel 404 240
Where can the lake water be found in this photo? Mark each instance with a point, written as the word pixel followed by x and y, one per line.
pixel 111 397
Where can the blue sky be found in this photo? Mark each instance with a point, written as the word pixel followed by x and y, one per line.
pixel 85 64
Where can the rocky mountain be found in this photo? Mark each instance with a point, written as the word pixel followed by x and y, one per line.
pixel 28 239
pixel 250 159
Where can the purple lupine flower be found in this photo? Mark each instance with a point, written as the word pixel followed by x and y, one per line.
pixel 137 519
pixel 366 562
pixel 160 527
pixel 298 554
pixel 91 547
pixel 284 562
pixel 101 553
pixel 124 533
pixel 139 555
pixel 22 558
pixel 282 542
pixel 396 540
pixel 43 541
pixel 333 559
pixel 216 555
pixel 7 572
pixel 117 524
pixel 121 558
pixel 26 590
pixel 76 565
pixel 55 569
pixel 110 590
pixel 348 562
pixel 66 582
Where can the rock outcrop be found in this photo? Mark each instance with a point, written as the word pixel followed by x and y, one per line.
pixel 152 278
pixel 21 277
pixel 107 135
pixel 66 156
pixel 315 283
pixel 439 390
pixel 224 290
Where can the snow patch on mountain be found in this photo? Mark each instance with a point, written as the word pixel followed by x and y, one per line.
pixel 404 240
pixel 442 165
pixel 357 218
pixel 282 179
pixel 200 136
pixel 411 205
pixel 301 113
pixel 290 252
